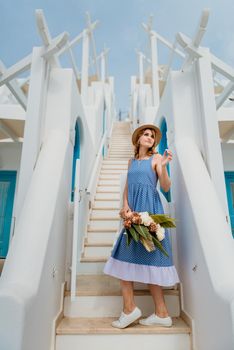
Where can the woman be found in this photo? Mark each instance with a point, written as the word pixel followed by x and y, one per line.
pixel 133 263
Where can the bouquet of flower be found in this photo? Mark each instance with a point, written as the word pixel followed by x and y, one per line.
pixel 146 228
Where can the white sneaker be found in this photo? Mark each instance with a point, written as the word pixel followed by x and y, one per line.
pixel 125 320
pixel 156 320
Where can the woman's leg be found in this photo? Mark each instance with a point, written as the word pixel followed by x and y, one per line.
pixel 130 313
pixel 128 296
pixel 159 302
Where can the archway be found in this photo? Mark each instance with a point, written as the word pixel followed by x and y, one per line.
pixel 76 155
pixel 162 146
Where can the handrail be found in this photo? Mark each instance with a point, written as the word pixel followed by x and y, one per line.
pixel 94 170
pixel 75 230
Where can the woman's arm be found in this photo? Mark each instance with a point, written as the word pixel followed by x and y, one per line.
pixel 125 194
pixel 161 169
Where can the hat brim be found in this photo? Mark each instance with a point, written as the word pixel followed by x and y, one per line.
pixel 147 126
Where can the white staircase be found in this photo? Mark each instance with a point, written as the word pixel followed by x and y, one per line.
pixel 86 323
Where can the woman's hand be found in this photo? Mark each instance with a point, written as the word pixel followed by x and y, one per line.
pixel 161 169
pixel 166 158
pixel 125 211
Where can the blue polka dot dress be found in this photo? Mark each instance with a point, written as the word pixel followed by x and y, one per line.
pixel 133 262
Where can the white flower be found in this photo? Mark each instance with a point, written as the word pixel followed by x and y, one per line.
pixel 146 219
pixel 160 232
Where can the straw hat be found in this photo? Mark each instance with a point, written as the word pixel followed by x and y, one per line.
pixel 147 126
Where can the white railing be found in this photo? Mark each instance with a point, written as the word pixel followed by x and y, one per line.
pixel 93 178
pixel 77 198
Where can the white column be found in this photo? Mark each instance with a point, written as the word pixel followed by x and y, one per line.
pixel 85 67
pixel 154 65
pixel 141 69
pixel 33 132
pixel 210 128
pixel 103 68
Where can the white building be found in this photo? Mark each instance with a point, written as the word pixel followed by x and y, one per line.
pixel 62 152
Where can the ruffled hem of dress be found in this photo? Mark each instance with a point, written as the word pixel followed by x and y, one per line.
pixel 164 276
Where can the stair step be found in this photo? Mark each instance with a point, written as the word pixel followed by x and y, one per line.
pixel 101 236
pixel 110 182
pixel 105 213
pixel 97 333
pixel 95 244
pixel 114 166
pixel 91 267
pixel 107 189
pixel 120 157
pixel 94 259
pixel 121 145
pixel 100 229
pixel 90 285
pixel 108 177
pixel 105 205
pixel 111 306
pixel 104 218
pixel 120 152
pixel 107 196
pixel 95 251
pixel 105 224
pixel 107 161
pixel 112 171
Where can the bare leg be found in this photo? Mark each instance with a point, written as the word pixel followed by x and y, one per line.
pixel 128 296
pixel 159 302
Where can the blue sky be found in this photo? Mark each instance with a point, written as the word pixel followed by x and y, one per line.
pixel 120 29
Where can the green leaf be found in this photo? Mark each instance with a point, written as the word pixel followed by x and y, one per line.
pixel 159 246
pixel 134 234
pixel 164 220
pixel 129 237
pixel 142 231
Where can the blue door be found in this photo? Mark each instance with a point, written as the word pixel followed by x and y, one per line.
pixel 229 179
pixel 162 146
pixel 76 155
pixel 7 193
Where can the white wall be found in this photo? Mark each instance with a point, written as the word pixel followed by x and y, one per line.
pixel 34 272
pixel 202 297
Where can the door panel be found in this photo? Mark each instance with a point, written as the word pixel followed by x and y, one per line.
pixel 7 192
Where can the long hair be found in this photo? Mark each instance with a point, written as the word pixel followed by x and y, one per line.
pixel 151 150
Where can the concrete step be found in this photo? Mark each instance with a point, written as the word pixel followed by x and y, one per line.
pixel 111 172
pixel 90 266
pixel 105 224
pixel 119 157
pixel 114 166
pixel 106 205
pixel 97 333
pixel 100 296
pixel 101 236
pixel 109 177
pixel 107 196
pixel 107 161
pixel 111 306
pixel 105 213
pixel 94 250
pixel 109 182
pixel 108 285
pixel 107 189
